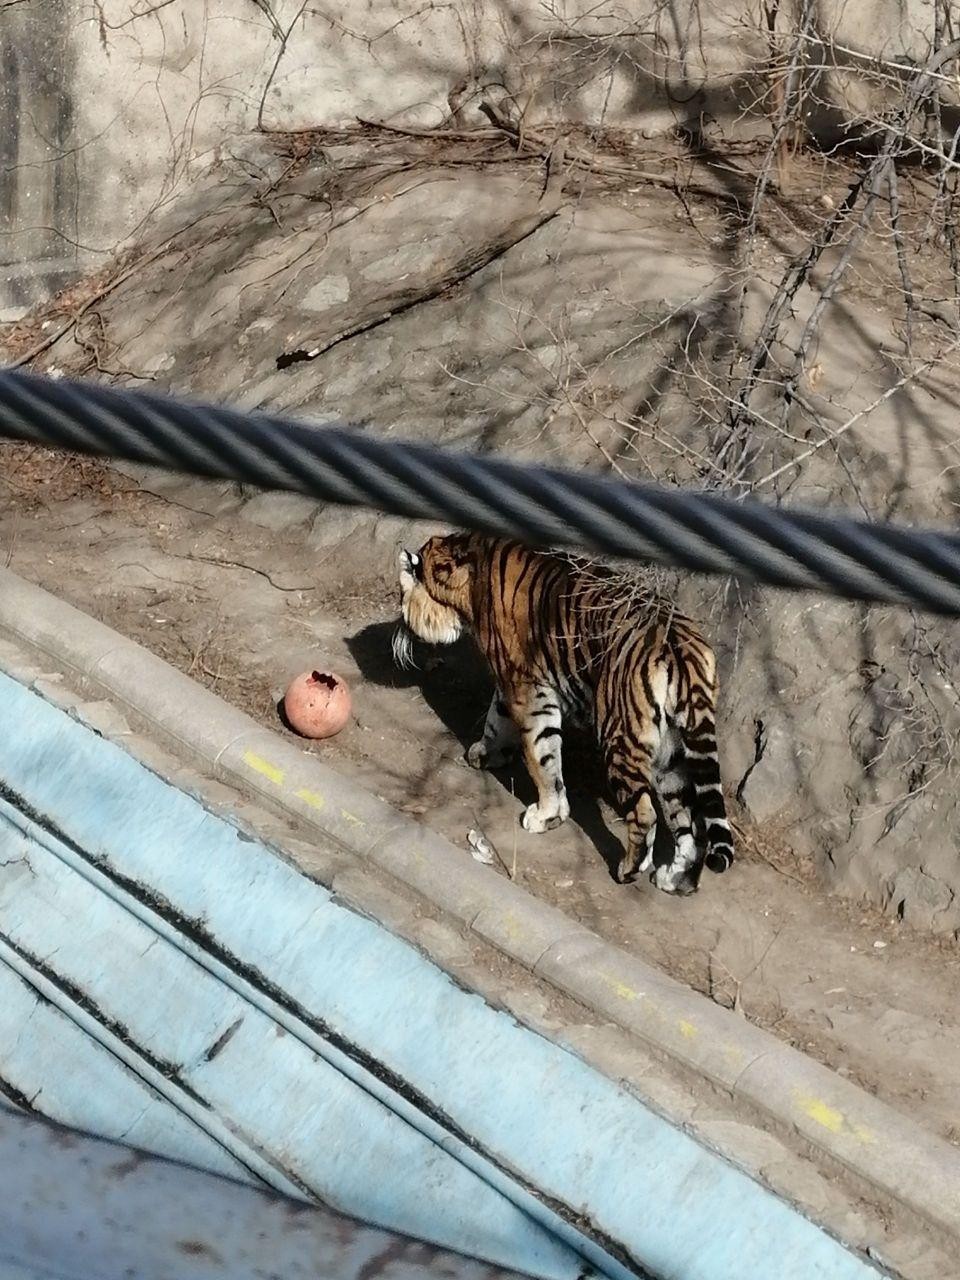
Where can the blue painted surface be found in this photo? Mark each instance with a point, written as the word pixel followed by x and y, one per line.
pixel 83 1209
pixel 284 1037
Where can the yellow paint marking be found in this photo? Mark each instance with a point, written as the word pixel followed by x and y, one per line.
pixel 351 817
pixel 312 798
pixel 830 1118
pixel 511 925
pixel 268 770
pixel 620 988
pixel 687 1029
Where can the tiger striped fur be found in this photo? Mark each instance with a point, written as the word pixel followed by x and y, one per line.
pixel 565 641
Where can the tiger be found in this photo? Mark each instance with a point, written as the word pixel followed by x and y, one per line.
pixel 566 642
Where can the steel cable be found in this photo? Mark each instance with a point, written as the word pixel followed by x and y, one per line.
pixel 794 549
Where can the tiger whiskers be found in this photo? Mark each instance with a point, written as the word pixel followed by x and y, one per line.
pixel 402 646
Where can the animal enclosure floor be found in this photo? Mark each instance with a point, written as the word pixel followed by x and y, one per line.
pixel 242 610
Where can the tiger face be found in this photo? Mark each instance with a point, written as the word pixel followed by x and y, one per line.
pixel 434 596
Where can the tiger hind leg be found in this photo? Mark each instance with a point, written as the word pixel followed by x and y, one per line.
pixel 714 836
pixel 692 798
pixel 631 781
pixel 538 712
pixel 682 874
pixel 641 820
pixel 499 739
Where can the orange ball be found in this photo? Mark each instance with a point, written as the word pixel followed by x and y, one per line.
pixel 317 704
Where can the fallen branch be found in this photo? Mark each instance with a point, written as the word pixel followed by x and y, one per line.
pixel 46 343
pixel 250 568
pixel 411 131
pixel 593 163
pixel 477 257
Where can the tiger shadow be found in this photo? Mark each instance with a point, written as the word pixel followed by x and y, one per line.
pixel 456 685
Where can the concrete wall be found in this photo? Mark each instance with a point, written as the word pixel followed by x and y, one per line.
pixel 105 104
pixel 40 164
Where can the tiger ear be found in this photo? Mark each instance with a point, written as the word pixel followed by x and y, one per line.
pixel 411 569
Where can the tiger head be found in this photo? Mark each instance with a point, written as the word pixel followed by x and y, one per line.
pixel 435 595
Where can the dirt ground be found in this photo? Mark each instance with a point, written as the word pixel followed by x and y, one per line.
pixel 576 345
pixel 243 608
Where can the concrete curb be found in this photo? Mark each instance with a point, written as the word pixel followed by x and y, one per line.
pixel 886 1149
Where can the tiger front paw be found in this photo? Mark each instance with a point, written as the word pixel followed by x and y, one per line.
pixel 537 820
